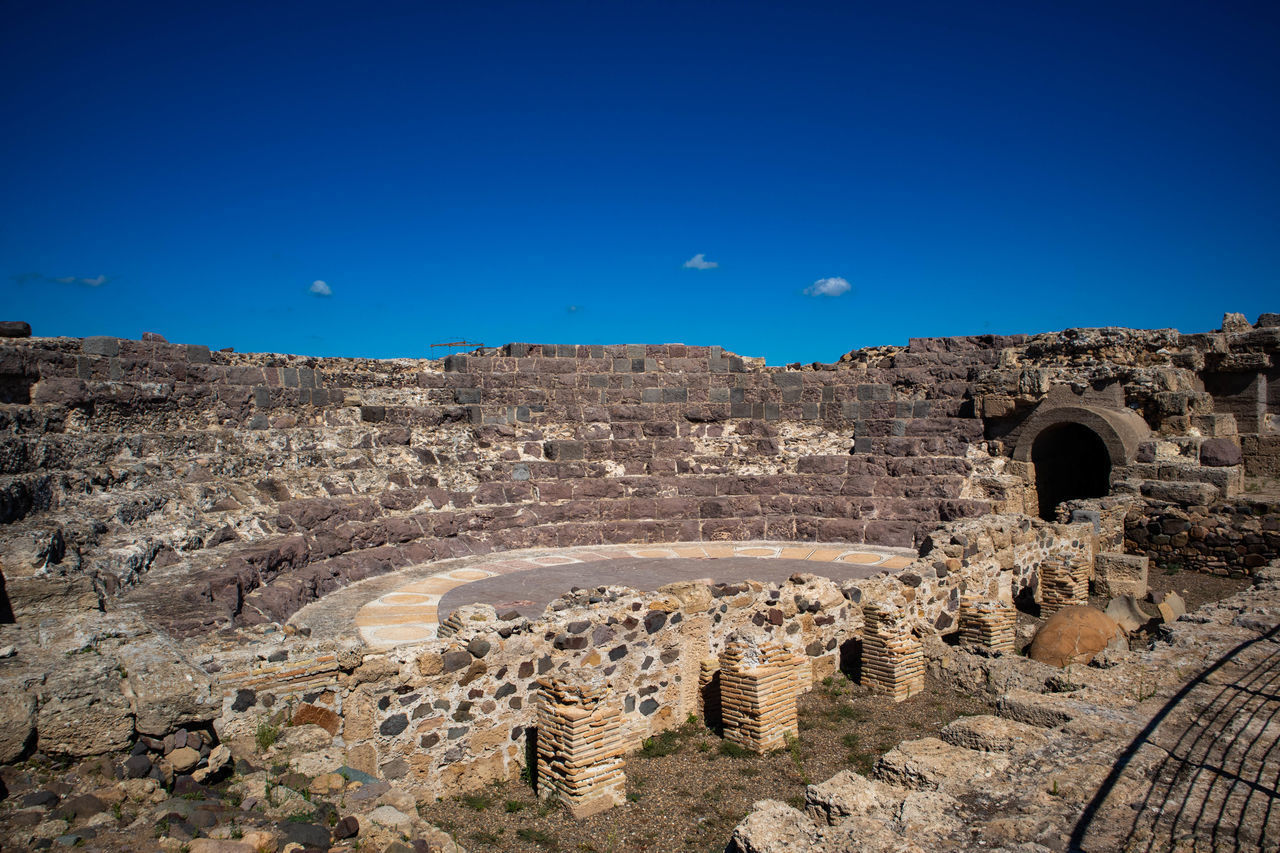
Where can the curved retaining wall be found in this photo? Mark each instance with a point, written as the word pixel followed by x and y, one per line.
pixel 241 487
pixel 455 713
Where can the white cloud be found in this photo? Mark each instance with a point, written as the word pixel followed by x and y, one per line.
pixel 833 286
pixel 26 278
pixel 97 281
pixel 320 288
pixel 700 262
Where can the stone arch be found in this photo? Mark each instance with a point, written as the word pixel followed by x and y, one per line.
pixel 1071 462
pixel 1074 449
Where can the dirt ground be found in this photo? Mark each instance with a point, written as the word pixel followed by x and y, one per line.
pixel 687 788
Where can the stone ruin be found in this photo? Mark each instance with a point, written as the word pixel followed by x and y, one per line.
pixel 759 683
pixel 580 745
pixel 182 529
pixel 892 659
pixel 987 624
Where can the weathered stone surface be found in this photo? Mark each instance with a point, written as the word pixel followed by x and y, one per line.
pixel 694 597
pixel 183 759
pixel 929 764
pixel 17 721
pixel 219 845
pixel 391 818
pixel 773 827
pixel 1220 452
pixel 986 733
pixel 1120 574
pixel 14 329
pixel 848 793
pixel 82 710
pixel 1074 635
pixel 166 691
pixel 1235 323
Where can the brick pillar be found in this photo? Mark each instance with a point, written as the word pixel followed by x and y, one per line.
pixel 759 682
pixel 1064 582
pixel 580 746
pixel 987 624
pixel 892 659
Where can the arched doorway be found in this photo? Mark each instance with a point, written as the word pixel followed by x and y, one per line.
pixel 1071 462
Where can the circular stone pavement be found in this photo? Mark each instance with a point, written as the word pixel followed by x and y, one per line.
pixel 407 607
pixel 530 592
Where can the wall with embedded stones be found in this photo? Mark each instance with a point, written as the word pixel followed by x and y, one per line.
pixel 198 498
pixel 240 487
pixel 1229 538
pixel 455 713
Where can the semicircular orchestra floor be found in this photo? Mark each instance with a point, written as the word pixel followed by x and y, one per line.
pixel 407 607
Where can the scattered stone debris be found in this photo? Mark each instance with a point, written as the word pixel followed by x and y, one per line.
pixel 185 537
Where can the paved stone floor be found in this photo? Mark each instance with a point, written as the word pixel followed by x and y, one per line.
pixel 406 607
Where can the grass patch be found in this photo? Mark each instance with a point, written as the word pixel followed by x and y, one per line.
pixel 861 760
pixel 265 736
pixel 846 713
pixel 733 750
pixel 515 806
pixel 666 743
pixel 797 756
pixel 536 836
pixel 475 802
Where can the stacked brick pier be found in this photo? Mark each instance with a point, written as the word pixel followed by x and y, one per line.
pixel 580 746
pixel 1064 582
pixel 987 625
pixel 892 659
pixel 759 682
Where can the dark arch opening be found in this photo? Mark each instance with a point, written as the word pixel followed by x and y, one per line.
pixel 1071 462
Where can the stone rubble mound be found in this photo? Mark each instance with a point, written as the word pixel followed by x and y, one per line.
pixel 1146 752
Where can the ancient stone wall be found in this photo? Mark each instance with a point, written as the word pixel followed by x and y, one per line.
pixel 1234 538
pixel 184 501
pixel 239 487
pixel 271 480
pixel 454 713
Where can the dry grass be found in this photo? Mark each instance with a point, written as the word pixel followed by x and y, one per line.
pixel 688 788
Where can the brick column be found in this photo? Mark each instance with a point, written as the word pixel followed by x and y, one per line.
pixel 1064 582
pixel 759 682
pixel 580 746
pixel 988 625
pixel 892 659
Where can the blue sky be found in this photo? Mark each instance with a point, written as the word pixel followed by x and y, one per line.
pixel 543 171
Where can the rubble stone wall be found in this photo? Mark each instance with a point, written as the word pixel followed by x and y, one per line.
pixel 1235 538
pixel 167 507
pixel 206 489
pixel 455 713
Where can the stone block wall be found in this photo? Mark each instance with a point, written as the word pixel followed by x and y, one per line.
pixel 261 482
pixel 454 713
pixel 1234 538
